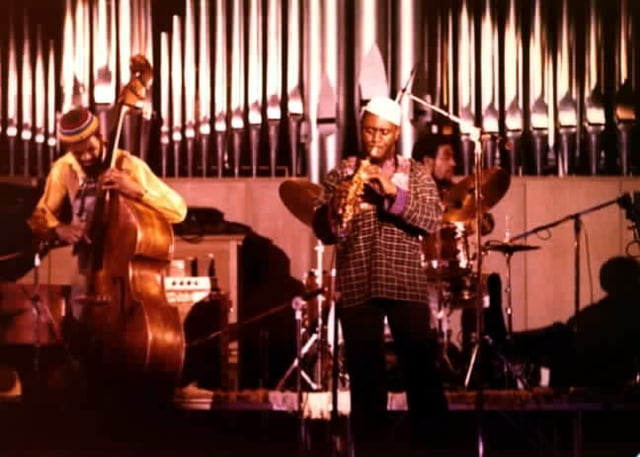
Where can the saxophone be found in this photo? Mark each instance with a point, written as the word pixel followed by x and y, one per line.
pixel 350 205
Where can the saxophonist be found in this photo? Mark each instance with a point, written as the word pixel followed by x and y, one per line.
pixel 374 207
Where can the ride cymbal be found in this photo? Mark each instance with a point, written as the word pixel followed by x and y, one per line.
pixel 299 196
pixel 460 200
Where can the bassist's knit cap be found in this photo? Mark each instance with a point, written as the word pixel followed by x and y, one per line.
pixel 77 125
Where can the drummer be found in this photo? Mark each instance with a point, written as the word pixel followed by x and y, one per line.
pixel 437 151
pixel 451 247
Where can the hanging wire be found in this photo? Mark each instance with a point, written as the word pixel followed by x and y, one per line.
pixel 587 251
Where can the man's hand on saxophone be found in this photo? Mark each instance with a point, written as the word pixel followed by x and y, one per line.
pixel 379 182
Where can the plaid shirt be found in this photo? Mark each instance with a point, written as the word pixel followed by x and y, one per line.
pixel 380 257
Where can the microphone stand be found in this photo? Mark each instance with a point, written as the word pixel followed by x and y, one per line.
pixel 478 197
pixel 38 310
pixel 475 136
pixel 577 228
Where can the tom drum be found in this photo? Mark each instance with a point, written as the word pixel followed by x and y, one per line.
pixel 445 254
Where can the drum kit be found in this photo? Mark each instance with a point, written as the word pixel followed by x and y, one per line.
pixel 448 255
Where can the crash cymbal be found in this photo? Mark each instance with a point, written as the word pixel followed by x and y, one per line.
pixel 508 248
pixel 460 200
pixel 299 196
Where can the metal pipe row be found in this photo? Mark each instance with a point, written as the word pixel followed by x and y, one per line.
pixel 279 84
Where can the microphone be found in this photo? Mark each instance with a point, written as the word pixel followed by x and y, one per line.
pixel 405 89
pixel 624 201
pixel 631 207
pixel 298 303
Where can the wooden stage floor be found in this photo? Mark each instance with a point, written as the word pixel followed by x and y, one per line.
pixel 264 423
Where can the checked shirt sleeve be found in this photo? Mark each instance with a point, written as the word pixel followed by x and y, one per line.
pixel 422 208
pixel 322 226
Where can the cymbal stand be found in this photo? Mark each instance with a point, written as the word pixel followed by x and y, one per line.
pixel 320 300
pixel 478 197
pixel 299 305
pixel 507 289
pixel 315 337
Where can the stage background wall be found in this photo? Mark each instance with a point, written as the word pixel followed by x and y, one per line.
pixel 542 280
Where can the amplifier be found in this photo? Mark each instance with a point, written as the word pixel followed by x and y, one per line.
pixel 185 291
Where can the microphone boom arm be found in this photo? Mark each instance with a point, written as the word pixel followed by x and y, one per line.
pixel 474 131
pixel 566 218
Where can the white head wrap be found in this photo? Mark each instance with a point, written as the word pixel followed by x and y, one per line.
pixel 384 108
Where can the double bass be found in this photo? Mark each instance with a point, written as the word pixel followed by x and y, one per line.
pixel 136 337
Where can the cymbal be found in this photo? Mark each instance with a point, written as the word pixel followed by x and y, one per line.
pixel 299 196
pixel 509 248
pixel 460 199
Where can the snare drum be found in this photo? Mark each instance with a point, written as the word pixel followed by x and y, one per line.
pixel 445 254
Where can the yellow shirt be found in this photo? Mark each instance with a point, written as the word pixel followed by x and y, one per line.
pixel 66 177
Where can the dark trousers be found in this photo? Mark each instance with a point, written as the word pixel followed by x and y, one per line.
pixel 416 349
